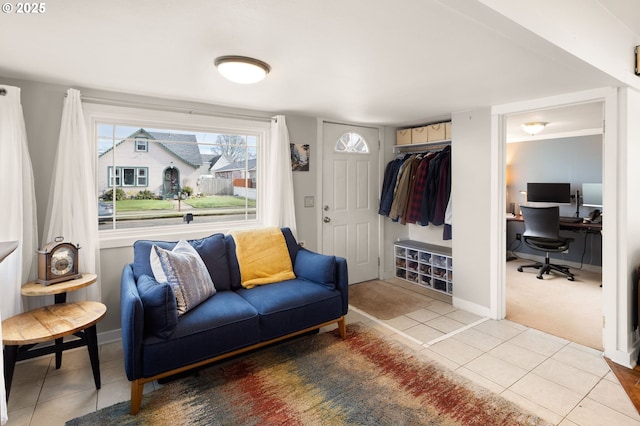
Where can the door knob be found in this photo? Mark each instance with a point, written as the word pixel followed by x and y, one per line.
pixel 326 208
pixel 327 219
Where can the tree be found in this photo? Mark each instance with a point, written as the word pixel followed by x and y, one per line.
pixel 232 146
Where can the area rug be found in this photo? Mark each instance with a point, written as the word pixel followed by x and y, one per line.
pixel 384 301
pixel 321 380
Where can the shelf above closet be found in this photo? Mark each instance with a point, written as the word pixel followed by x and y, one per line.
pixel 421 147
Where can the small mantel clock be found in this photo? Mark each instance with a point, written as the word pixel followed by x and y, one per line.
pixel 57 262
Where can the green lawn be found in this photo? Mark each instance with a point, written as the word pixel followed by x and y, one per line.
pixel 141 205
pixel 215 201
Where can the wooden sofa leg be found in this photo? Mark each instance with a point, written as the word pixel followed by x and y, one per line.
pixel 342 326
pixel 136 396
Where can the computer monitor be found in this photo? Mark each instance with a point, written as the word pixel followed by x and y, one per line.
pixel 592 195
pixel 559 193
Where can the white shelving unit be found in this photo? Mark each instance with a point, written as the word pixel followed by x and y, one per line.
pixel 424 264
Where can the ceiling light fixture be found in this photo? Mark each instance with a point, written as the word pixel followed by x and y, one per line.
pixel 241 69
pixel 534 127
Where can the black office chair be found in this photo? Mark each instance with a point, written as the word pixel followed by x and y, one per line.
pixel 542 232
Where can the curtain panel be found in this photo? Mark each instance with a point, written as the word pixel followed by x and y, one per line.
pixel 18 217
pixel 72 211
pixel 277 202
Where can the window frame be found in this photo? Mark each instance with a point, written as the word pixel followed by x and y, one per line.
pixel 119 176
pixel 213 122
pixel 145 146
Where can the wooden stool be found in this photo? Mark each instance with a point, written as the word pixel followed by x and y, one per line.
pixel 22 332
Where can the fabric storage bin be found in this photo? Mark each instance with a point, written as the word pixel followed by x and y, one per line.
pixel 419 135
pixel 403 137
pixel 436 132
pixel 447 130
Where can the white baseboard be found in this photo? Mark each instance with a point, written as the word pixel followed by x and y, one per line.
pixel 626 359
pixel 474 308
pixel 109 336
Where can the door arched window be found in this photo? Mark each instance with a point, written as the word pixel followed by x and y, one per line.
pixel 352 142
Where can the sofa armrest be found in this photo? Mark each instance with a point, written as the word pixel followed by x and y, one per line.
pixel 132 318
pixel 342 282
pixel 325 270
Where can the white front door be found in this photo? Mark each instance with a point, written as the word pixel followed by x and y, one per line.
pixel 350 198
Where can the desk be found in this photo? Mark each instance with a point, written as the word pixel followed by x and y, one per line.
pixel 568 226
pixel 582 231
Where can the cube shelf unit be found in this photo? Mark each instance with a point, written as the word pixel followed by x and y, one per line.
pixel 424 264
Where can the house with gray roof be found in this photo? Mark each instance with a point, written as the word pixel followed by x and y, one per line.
pixel 164 166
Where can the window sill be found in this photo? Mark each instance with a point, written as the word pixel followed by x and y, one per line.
pixel 119 238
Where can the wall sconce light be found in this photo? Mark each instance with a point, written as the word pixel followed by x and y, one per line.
pixel 241 69
pixel 534 127
pixel 637 50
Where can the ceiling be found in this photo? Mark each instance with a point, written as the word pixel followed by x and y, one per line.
pixel 359 61
pixel 568 121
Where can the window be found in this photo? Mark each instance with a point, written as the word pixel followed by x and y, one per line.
pixel 352 142
pixel 142 144
pixel 131 176
pixel 206 166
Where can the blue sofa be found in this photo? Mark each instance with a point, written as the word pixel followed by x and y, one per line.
pixel 157 343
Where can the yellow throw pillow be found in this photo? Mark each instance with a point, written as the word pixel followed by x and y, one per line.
pixel 263 256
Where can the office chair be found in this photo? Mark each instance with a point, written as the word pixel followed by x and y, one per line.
pixel 542 232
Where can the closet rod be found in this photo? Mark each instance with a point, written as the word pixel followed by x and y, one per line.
pixel 170 108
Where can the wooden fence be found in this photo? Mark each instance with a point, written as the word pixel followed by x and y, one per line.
pixel 209 185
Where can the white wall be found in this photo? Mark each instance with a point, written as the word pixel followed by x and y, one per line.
pixel 629 223
pixel 471 203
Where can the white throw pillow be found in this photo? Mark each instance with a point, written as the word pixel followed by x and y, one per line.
pixel 185 271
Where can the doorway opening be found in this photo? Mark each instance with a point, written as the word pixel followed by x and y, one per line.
pixel 569 150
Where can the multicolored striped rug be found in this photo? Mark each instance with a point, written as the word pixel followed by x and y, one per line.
pixel 321 380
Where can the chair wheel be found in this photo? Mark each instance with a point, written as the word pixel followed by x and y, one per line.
pixel 519 268
pixel 571 278
pixel 539 277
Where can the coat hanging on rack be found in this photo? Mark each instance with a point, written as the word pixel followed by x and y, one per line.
pixel 416 188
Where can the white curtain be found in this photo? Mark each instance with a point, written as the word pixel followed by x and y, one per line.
pixel 72 212
pixel 277 204
pixel 18 216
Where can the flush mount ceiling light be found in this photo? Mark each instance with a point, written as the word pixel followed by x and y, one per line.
pixel 534 127
pixel 241 69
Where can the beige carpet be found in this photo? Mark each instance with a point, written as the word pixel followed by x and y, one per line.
pixel 385 301
pixel 568 309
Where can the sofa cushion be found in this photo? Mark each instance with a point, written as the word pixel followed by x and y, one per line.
pixel 220 324
pixel 211 249
pixel 293 305
pixel 262 256
pixel 316 267
pixel 185 271
pixel 160 309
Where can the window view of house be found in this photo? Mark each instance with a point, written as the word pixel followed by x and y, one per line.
pixel 156 177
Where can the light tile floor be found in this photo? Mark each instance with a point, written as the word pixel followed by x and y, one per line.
pixel 565 383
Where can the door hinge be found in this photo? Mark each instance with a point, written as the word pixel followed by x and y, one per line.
pixel 378 261
pixel 603 321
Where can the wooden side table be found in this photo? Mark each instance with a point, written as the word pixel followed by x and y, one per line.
pixel 21 332
pixel 59 292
